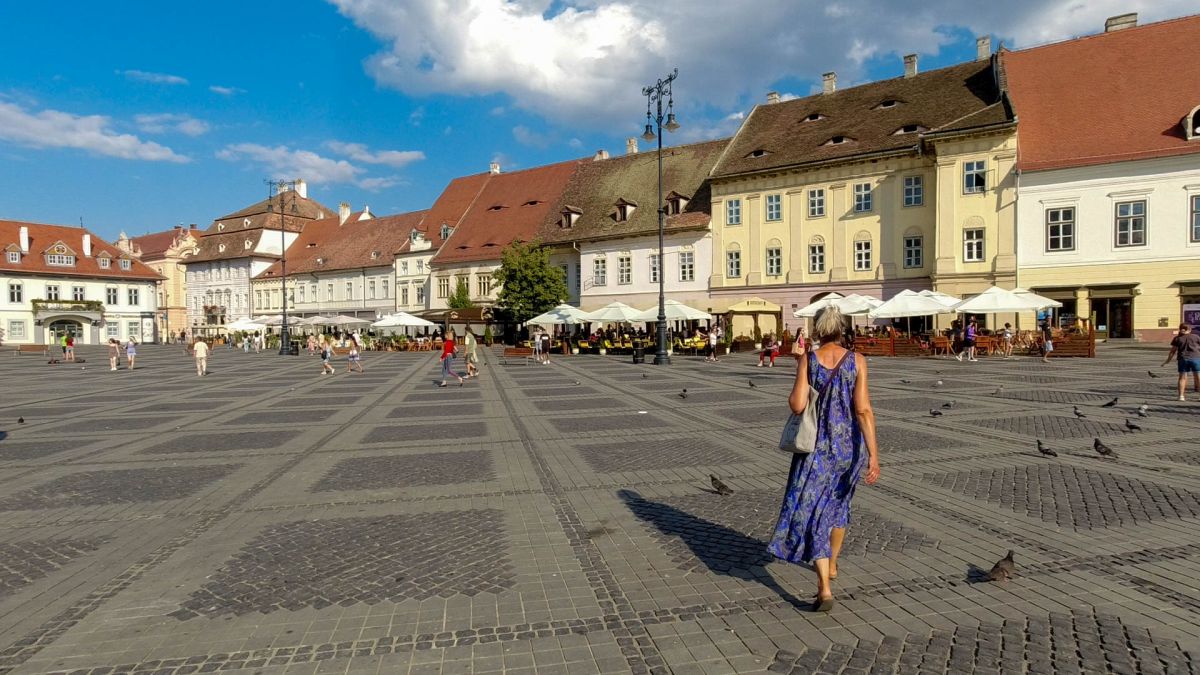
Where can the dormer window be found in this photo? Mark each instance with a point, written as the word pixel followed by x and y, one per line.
pixel 220 227
pixel 625 209
pixel 126 264
pixel 887 103
pixel 14 257
pixel 248 244
pixel 757 153
pixel 569 215
pixel 532 202
pixel 103 263
pixel 320 262
pixel 1191 125
pixel 839 140
pixel 311 244
pixel 676 203
pixel 60 256
pixel 814 117
pixel 446 230
pixel 910 129
pixel 497 207
pixel 375 255
pixel 414 236
pixel 220 248
pixel 245 222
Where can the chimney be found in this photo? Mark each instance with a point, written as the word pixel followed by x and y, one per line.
pixel 910 65
pixel 494 168
pixel 830 83
pixel 772 97
pixel 302 188
pixel 366 214
pixel 179 227
pixel 343 213
pixel 600 154
pixel 87 245
pixel 24 239
pixel 983 48
pixel 631 145
pixel 1115 23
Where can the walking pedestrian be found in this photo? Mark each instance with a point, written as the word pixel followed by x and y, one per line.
pixel 258 342
pixel 448 351
pixel 327 358
pixel 312 345
pixel 536 339
pixel 472 346
pixel 200 352
pixel 969 341
pixel 130 352
pixel 70 355
pixel 1047 340
pixel 353 358
pixel 816 507
pixel 114 353
pixel 1185 348
pixel 62 345
pixel 1007 336
pixel 710 349
pixel 545 346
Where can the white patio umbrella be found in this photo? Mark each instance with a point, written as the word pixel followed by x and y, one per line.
pixel 340 320
pixel 944 298
pixel 614 312
pixel 277 320
pixel 265 319
pixel 856 305
pixel 809 311
pixel 675 311
pixel 1045 303
pixel 560 315
pixel 245 324
pixel 402 320
pixel 996 300
pixel 908 303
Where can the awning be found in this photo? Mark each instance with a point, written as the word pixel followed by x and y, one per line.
pixel 755 306
pixel 1113 289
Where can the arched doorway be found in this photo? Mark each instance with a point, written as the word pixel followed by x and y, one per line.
pixel 63 327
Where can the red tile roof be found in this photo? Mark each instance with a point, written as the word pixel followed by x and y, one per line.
pixel 449 209
pixel 354 244
pixel 42 237
pixel 511 206
pixel 155 244
pixel 236 228
pixel 1106 98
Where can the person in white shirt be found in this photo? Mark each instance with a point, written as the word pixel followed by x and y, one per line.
pixel 200 351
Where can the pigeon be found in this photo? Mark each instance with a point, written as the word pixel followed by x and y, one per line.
pixel 20 420
pixel 1111 403
pixel 948 405
pixel 1103 449
pixel 1132 426
pixel 903 381
pixel 1079 414
pixel 1045 450
pixel 752 385
pixel 683 394
pixel 721 488
pixel 938 383
pixel 645 376
pixel 1151 373
pixel 1003 569
pixel 1143 410
pixel 935 413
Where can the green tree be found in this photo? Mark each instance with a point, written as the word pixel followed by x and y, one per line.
pixel 529 284
pixel 461 298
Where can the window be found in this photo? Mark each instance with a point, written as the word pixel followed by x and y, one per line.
pixel 483 283
pixel 443 287
pixel 774 207
pixel 774 261
pixel 973 245
pixel 578 276
pixel 816 258
pixel 301 289
pixel 384 284
pixel 1195 218
pixel 1131 223
pixel 420 266
pixel 329 292
pixel 733 212
pixel 77 293
pixel 914 253
pixel 258 301
pixel 404 295
pixel 599 271
pixel 914 191
pixel 862 198
pixel 421 294
pixel 403 267
pixel 445 231
pixel 16 293
pixel 862 256
pixel 14 257
pixel 110 295
pixel 654 268
pixel 624 270
pixel 103 262
pixel 61 259
pixel 816 203
pixel 974 177
pixel 112 329
pixel 733 264
pixel 52 292
pixel 370 289
pixel 1060 229
pixel 134 297
pixel 687 266
pixel 126 264
pixel 134 330
pixel 349 290
pixel 624 210
pixel 16 330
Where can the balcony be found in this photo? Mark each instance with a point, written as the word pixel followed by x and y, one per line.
pixel 88 309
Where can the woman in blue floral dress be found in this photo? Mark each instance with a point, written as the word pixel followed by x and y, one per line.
pixel 816 508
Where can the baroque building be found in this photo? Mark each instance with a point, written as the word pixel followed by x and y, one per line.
pixel 166 253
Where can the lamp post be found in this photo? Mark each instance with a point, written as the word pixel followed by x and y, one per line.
pixel 654 96
pixel 279 188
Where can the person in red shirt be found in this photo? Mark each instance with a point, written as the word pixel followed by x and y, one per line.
pixel 448 352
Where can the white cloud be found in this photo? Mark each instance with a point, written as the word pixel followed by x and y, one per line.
pixel 526 136
pixel 162 123
pixel 575 143
pixel 284 161
pixel 376 184
pixel 360 153
pixel 416 116
pixel 225 91
pixel 153 78
pixel 584 63
pixel 94 133
pixel 739 115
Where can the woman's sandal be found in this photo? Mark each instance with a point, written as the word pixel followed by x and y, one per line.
pixel 823 604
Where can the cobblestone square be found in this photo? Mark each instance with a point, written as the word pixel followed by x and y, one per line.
pixel 265 519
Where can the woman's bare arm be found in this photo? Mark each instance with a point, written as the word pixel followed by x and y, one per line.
pixel 798 399
pixel 866 418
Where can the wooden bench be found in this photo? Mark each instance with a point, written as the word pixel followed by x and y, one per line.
pixel 31 349
pixel 517 352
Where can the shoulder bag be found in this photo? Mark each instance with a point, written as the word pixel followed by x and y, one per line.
pixel 800 432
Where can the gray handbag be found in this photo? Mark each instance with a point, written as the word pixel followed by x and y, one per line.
pixel 800 432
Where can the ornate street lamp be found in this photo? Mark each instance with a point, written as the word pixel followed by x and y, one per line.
pixel 280 188
pixel 654 95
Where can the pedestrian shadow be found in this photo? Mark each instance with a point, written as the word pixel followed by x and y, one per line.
pixel 719 549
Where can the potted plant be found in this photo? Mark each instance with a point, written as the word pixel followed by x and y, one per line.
pixel 487 335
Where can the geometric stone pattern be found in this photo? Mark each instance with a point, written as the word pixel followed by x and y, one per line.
pixel 448 429
pixel 33 449
pixel 610 423
pixel 725 534
pixel 1191 458
pixel 346 561
pixel 1069 496
pixel 1080 642
pixel 1052 426
pixel 647 455
pixel 118 486
pixel 224 442
pixel 24 562
pixel 395 471
pixel 896 439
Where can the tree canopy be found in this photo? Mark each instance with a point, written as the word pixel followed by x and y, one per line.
pixel 529 284
pixel 461 298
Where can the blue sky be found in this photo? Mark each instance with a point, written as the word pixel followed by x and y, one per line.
pixel 138 117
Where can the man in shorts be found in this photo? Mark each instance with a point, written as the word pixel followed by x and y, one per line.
pixel 1185 347
pixel 1047 341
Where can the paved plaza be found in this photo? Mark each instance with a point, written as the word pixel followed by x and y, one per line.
pixel 559 519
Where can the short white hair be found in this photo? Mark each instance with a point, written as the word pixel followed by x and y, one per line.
pixel 829 325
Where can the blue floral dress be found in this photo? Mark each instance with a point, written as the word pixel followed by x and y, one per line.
pixel 821 483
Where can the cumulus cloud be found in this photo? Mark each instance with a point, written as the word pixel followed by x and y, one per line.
pixel 94 133
pixel 284 161
pixel 225 91
pixel 153 78
pixel 526 136
pixel 162 123
pixel 583 62
pixel 360 153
